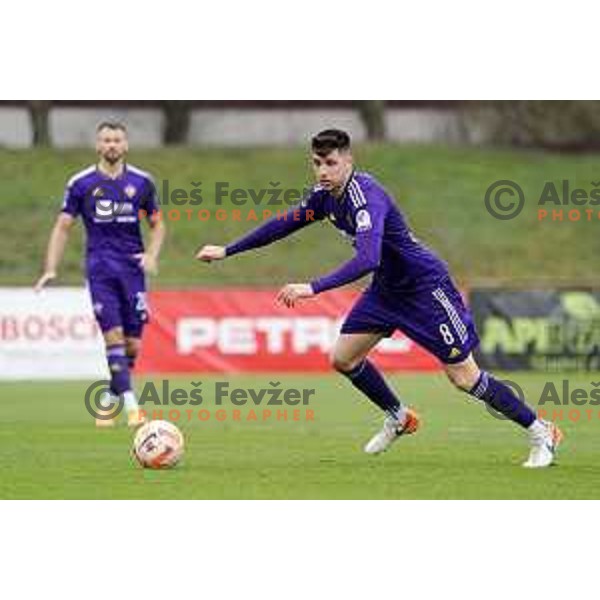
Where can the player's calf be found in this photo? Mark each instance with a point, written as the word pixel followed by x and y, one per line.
pixel 495 394
pixel 132 349
pixel 365 377
pixel 135 416
pixel 118 365
pixel 469 378
pixel 120 376
pixel 349 359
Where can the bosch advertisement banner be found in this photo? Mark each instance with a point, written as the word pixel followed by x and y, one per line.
pixel 52 335
pixel 546 330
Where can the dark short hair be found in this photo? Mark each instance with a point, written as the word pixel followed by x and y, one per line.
pixel 329 140
pixel 111 124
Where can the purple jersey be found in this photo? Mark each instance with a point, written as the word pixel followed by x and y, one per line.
pixel 111 210
pixel 370 219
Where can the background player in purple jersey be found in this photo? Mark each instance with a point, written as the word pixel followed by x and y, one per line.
pixel 411 290
pixel 112 198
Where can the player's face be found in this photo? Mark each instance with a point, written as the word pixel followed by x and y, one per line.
pixel 332 170
pixel 111 145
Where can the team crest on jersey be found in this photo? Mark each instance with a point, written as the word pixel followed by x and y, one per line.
pixel 98 192
pixel 363 221
pixel 130 191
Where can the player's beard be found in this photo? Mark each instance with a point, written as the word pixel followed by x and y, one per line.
pixel 113 157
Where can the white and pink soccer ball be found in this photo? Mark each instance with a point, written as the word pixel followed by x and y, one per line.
pixel 158 445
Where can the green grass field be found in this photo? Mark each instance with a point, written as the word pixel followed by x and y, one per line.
pixel 50 448
pixel 440 189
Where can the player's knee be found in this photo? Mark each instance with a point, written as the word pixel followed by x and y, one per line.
pixel 114 337
pixel 132 347
pixel 462 379
pixel 343 364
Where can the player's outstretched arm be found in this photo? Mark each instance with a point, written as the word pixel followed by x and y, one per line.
pixel 56 249
pixel 368 243
pixel 272 230
pixel 366 259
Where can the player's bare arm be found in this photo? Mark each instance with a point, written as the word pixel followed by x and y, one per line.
pixel 56 248
pixel 149 258
pixel 276 228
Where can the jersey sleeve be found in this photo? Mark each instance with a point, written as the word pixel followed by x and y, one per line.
pixel 368 213
pixel 280 226
pixel 150 203
pixel 71 200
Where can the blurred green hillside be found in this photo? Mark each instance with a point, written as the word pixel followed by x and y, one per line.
pixel 440 189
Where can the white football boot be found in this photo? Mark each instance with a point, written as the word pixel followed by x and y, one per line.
pixel 544 443
pixel 391 431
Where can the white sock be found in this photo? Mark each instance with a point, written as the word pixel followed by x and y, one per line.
pixel 108 400
pixel 537 427
pixel 400 413
pixel 130 401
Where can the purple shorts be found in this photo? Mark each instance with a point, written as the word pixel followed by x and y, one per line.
pixel 436 318
pixel 118 293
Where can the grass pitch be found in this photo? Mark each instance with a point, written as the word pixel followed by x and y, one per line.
pixel 50 448
pixel 440 189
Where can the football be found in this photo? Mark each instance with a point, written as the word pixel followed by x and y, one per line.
pixel 158 445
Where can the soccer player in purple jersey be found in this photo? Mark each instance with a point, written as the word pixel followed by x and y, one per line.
pixel 112 198
pixel 411 290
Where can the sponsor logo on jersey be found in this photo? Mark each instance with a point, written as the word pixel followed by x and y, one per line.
pixel 363 221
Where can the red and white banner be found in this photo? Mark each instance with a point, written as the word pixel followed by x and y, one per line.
pixel 53 335
pixel 242 330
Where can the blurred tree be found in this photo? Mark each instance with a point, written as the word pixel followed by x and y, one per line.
pixel 177 121
pixel 372 113
pixel 39 113
pixel 560 124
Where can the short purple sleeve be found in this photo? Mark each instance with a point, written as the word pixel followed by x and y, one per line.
pixel 72 200
pixel 150 201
